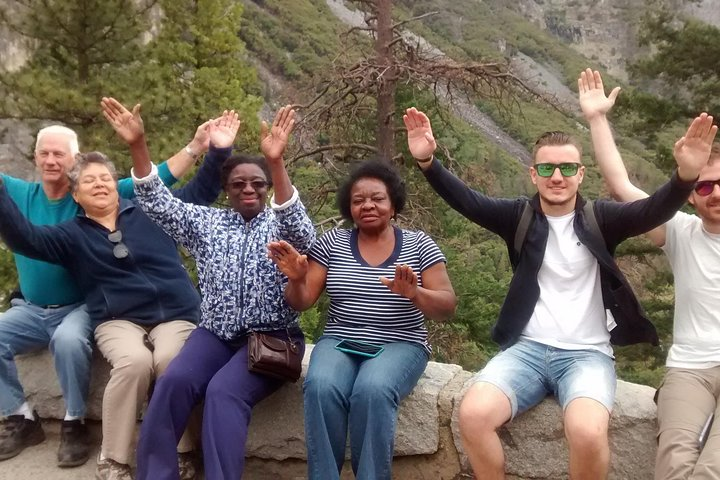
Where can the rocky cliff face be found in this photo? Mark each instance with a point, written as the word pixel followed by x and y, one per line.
pixel 604 30
pixel 16 139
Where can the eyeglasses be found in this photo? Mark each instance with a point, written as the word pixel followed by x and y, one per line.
pixel 548 169
pixel 241 184
pixel 120 250
pixel 706 187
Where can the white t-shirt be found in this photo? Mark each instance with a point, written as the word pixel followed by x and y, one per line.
pixel 694 255
pixel 569 313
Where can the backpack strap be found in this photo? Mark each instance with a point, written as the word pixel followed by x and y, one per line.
pixel 525 219
pixel 589 212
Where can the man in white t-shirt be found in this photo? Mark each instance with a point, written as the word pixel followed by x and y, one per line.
pixel 688 397
pixel 567 300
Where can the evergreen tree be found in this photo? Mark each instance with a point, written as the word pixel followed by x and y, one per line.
pixel 682 74
pixel 81 51
pixel 181 59
pixel 198 69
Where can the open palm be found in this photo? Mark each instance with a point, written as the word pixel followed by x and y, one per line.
pixel 274 139
pixel 224 129
pixel 591 94
pixel 421 141
pixel 405 282
pixel 288 260
pixel 128 125
pixel 693 150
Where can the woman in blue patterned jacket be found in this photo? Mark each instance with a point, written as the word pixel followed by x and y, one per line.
pixel 242 291
pixel 382 282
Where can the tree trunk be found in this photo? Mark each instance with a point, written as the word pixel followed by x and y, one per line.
pixel 386 84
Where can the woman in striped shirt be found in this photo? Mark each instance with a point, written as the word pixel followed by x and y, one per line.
pixel 382 282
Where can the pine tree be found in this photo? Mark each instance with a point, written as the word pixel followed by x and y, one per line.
pixel 181 59
pixel 199 68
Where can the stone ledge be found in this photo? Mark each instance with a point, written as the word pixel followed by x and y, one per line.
pixel 427 443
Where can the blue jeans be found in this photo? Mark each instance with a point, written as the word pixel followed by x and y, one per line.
pixel 214 370
pixel 342 389
pixel 25 327
pixel 529 371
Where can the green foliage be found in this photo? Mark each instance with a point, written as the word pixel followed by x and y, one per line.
pixel 686 58
pixel 647 114
pixel 8 275
pixel 197 68
pixel 679 79
pixel 297 39
pixel 191 70
pixel 79 47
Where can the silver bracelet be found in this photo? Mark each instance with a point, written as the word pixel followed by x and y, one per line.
pixel 190 152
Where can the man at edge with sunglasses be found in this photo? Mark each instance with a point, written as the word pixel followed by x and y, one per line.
pixel 567 301
pixel 688 397
pixel 130 273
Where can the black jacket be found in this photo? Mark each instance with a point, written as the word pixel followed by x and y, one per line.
pixel 150 284
pixel 617 222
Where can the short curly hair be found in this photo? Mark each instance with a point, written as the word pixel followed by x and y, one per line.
pixel 233 161
pixel 84 160
pixel 379 169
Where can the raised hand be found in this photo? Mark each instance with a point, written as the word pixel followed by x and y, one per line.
pixel 274 139
pixel 128 125
pixel 591 95
pixel 288 260
pixel 404 283
pixel 421 141
pixel 692 151
pixel 224 129
pixel 201 141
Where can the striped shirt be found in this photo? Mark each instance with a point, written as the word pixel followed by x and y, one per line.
pixel 362 308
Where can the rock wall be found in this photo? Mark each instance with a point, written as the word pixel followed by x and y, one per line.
pixel 605 30
pixel 17 142
pixel 427 445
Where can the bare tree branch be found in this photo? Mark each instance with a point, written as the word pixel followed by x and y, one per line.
pixel 336 146
pixel 413 19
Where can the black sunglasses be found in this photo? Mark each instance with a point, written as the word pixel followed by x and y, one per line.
pixel 120 250
pixel 241 184
pixel 705 187
pixel 547 169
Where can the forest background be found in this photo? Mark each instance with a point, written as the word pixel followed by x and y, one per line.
pixel 492 76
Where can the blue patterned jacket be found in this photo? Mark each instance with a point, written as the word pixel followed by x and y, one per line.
pixel 241 287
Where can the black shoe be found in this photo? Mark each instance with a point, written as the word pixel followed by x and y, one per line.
pixel 74 444
pixel 187 466
pixel 18 433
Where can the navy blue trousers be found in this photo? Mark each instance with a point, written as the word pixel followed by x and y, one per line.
pixel 210 368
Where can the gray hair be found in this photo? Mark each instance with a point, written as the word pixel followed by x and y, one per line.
pixel 60 130
pixel 83 160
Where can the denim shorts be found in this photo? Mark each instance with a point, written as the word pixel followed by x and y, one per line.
pixel 529 371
